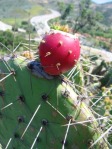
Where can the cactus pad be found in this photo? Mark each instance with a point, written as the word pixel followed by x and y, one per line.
pixel 42 113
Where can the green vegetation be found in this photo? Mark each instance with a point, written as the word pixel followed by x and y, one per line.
pixel 24 15
pixel 102 38
pixel 12 12
pixel 11 40
pixel 84 19
pixel 106 10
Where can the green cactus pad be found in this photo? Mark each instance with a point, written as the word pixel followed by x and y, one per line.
pixel 35 112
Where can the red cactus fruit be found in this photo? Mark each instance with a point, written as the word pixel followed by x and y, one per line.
pixel 59 52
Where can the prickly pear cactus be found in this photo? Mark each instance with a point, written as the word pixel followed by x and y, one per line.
pixel 43 112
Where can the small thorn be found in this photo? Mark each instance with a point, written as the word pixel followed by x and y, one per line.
pixel 37 109
pixel 44 122
pixel 69 117
pixel 45 97
pixel 75 61
pixel 13 71
pixel 47 54
pixel 42 41
pixel 57 65
pixel 60 43
pixel 21 98
pixel 8 143
pixel 6 76
pixel 69 52
pixel 20 119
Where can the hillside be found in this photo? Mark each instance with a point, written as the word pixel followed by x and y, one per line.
pixel 19 9
pixel 10 8
pixel 106 10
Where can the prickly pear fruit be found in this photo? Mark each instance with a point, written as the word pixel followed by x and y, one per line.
pixel 41 113
pixel 58 52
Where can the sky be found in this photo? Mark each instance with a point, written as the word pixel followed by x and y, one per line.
pixel 101 1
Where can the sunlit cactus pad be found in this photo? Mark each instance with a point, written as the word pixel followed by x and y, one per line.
pixel 39 113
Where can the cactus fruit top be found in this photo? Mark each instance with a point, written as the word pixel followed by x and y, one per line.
pixel 58 52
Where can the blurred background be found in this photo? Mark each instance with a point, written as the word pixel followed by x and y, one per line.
pixel 27 20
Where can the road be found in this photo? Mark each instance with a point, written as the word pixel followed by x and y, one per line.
pixel 41 22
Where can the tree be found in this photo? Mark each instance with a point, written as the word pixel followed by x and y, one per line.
pixel 83 17
pixel 61 6
pixel 8 39
pixel 67 11
pixel 87 17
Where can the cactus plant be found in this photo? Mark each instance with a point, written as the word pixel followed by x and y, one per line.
pixel 39 110
pixel 42 113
